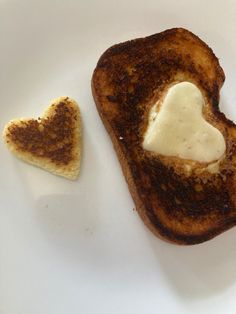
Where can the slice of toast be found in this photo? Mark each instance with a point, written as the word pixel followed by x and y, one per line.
pixel 182 201
pixel 52 142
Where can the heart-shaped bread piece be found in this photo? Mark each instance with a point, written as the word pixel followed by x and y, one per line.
pixel 52 142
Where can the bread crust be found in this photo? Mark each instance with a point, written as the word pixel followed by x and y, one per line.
pixel 180 207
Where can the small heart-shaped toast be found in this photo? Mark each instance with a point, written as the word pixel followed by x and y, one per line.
pixel 52 142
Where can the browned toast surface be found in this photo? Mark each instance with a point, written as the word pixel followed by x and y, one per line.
pixel 52 142
pixel 186 207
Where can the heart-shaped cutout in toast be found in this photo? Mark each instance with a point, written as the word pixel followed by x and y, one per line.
pixel 52 142
pixel 180 129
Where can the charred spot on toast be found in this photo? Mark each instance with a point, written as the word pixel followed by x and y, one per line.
pixel 50 137
pixel 188 196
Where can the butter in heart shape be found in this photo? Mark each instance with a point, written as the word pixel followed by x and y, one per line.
pixel 179 128
pixel 52 142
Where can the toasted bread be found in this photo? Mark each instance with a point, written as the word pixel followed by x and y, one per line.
pixel 181 201
pixel 52 142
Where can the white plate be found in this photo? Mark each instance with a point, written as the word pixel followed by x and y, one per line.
pixel 78 247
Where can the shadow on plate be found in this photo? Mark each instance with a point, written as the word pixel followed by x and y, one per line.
pixel 63 218
pixel 199 271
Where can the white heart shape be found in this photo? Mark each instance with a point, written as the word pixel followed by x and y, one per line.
pixel 179 128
